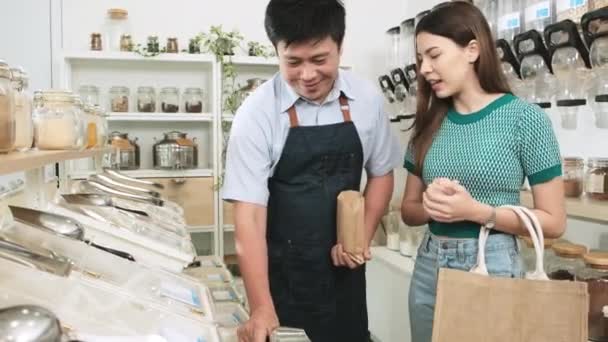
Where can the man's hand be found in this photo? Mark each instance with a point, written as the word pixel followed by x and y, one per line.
pixel 259 326
pixel 342 259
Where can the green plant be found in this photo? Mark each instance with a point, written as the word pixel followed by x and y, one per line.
pixel 143 51
pixel 259 50
pixel 219 42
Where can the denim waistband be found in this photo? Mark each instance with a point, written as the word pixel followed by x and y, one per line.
pixel 494 242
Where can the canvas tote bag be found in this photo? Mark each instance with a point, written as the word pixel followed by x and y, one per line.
pixel 474 307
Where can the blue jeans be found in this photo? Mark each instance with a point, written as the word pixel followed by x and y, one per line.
pixel 502 259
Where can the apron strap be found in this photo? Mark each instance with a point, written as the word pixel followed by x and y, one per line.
pixel 344 107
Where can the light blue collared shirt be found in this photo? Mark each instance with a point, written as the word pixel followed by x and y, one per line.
pixel 261 125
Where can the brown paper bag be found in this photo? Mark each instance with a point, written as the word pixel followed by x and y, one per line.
pixel 350 221
pixel 473 307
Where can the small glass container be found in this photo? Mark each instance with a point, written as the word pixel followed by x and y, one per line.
pixel 96 42
pixel 568 260
pixel 153 45
pixel 89 95
pixel 596 183
pixel 116 26
pixel 58 124
pixel 146 100
pixel 528 255
pixel 90 121
pixel 101 122
pixel 172 46
pixel 126 43
pixel 193 100
pixel 119 99
pixel 24 124
pixel 7 110
pixel 574 170
pixel 169 100
pixel 595 274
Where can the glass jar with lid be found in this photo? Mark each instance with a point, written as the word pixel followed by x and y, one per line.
pixel 7 110
pixel 193 100
pixel 595 274
pixel 89 94
pixel 116 25
pixel 528 254
pixel 169 100
pixel 57 123
pixel 102 125
pixel 571 9
pixel 146 100
pixel 573 174
pixel 119 99
pixel 24 125
pixel 125 152
pixel 568 260
pixel 596 183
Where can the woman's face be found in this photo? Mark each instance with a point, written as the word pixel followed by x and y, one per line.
pixel 446 65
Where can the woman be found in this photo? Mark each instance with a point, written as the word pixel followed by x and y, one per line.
pixel 473 144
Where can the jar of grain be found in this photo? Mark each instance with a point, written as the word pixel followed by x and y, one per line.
pixel 57 123
pixel 573 174
pixel 596 184
pixel 7 110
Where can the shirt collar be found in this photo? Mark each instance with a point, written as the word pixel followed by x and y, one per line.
pixel 289 97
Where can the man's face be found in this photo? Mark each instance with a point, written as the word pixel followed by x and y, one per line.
pixel 310 67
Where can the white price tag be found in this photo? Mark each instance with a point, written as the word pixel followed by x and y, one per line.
pixel 539 11
pixel 180 293
pixel 564 5
pixel 509 21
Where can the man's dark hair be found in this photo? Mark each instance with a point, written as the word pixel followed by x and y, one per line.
pixel 301 20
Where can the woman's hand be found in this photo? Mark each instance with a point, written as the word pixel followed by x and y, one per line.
pixel 446 200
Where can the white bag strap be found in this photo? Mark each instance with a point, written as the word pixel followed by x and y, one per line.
pixel 534 228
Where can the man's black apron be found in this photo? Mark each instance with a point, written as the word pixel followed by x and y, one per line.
pixel 317 163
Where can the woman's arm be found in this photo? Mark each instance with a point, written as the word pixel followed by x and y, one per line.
pixel 412 210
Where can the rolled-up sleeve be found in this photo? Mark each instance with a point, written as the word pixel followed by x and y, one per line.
pixel 385 153
pixel 248 160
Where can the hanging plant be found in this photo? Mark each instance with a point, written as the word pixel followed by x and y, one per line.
pixel 256 49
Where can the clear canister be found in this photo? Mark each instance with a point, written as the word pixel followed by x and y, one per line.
pixel 568 260
pixel 119 99
pixel 596 182
pixel 58 125
pixel 169 100
pixel 24 124
pixel 573 174
pixel 7 110
pixel 193 100
pixel 146 100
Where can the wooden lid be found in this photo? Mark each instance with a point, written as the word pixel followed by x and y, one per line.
pixel 596 259
pixel 118 13
pixel 565 249
pixel 548 242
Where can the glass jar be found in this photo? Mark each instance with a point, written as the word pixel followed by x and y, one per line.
pixel 57 123
pixel 153 45
pixel 172 46
pixel 24 125
pixel 596 184
pixel 119 99
pixel 571 9
pixel 96 42
pixel 538 14
pixel 573 174
pixel 510 17
pixel 88 122
pixel 146 100
pixel 89 94
pixel 193 100
pixel 568 260
pixel 595 274
pixel 528 254
pixel 101 122
pixel 116 25
pixel 169 100
pixel 126 43
pixel 125 152
pixel 7 110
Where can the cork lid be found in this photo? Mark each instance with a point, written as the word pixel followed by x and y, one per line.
pixel 548 242
pixel 118 13
pixel 596 259
pixel 569 250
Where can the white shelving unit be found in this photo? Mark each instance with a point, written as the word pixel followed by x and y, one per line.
pixel 106 69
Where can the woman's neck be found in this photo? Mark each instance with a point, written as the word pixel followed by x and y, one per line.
pixel 472 98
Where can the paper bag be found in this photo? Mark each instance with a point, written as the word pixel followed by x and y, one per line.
pixel 473 307
pixel 350 221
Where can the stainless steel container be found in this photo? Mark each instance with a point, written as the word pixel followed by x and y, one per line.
pixel 125 152
pixel 175 151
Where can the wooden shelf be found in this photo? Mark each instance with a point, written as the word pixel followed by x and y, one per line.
pixel 152 173
pixel 161 117
pixel 133 57
pixel 583 207
pixel 23 161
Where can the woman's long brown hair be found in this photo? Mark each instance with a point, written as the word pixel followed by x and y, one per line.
pixel 461 22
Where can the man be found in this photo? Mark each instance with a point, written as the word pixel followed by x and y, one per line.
pixel 298 141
